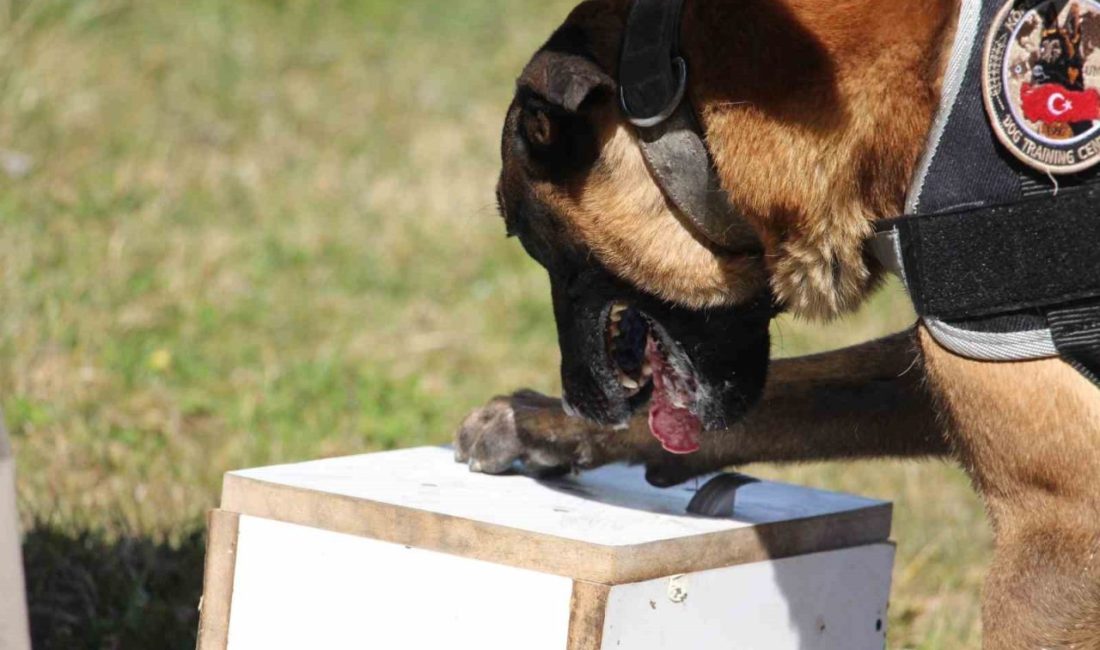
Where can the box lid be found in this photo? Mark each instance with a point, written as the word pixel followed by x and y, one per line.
pixel 606 526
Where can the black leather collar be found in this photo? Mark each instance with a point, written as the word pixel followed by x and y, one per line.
pixel 653 90
pixel 652 74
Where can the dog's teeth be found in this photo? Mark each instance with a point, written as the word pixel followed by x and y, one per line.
pixel 616 317
pixel 647 370
pixel 629 383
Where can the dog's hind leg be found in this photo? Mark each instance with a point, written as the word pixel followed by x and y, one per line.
pixel 866 401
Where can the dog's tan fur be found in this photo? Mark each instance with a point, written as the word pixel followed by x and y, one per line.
pixel 624 217
pixel 816 114
pixel 847 149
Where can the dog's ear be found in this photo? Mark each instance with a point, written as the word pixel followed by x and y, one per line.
pixel 555 90
pixel 563 80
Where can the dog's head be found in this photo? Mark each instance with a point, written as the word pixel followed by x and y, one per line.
pixel 648 310
pixel 625 339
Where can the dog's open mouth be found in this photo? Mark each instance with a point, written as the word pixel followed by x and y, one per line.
pixel 648 363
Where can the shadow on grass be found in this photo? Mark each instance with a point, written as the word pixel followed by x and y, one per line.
pixel 86 590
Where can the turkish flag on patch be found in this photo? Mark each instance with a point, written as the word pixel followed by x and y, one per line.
pixel 1052 103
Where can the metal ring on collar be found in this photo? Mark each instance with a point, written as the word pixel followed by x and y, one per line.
pixel 648 122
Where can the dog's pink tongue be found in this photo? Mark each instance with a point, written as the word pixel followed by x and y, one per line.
pixel 676 427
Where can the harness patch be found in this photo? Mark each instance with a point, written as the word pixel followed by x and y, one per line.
pixel 1041 82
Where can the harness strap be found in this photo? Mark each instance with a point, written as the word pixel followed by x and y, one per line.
pixel 987 261
pixel 1005 283
pixel 653 83
pixel 1076 330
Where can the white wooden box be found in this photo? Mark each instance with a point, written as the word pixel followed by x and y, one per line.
pixel 409 550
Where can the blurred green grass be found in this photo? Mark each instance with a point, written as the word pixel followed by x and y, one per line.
pixel 239 233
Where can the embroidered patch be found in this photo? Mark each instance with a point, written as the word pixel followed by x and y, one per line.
pixel 1041 80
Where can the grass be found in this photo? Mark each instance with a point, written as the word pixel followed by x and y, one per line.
pixel 238 233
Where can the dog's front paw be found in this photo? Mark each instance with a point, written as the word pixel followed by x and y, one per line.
pixel 487 440
pixel 527 428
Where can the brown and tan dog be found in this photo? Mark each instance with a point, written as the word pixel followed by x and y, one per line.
pixel 815 114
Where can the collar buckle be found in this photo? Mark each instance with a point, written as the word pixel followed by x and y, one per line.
pixel 674 103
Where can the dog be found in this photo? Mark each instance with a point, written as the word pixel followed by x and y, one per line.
pixel 816 115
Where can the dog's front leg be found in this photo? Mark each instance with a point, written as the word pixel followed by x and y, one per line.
pixel 860 402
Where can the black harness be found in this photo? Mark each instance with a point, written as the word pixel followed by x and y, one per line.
pixel 1000 260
